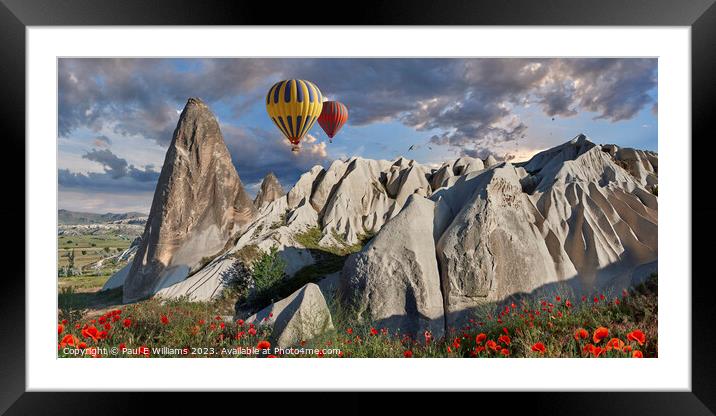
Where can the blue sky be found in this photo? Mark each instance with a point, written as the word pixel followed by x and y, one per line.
pixel 116 116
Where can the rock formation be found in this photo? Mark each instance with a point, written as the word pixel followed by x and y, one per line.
pixel 448 241
pixel 394 281
pixel 571 216
pixel 270 191
pixel 199 204
pixel 300 317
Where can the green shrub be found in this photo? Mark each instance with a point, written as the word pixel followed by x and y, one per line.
pixel 267 272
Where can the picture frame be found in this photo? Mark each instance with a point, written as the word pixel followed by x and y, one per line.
pixel 700 16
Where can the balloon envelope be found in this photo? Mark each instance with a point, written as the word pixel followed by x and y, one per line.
pixel 333 116
pixel 294 106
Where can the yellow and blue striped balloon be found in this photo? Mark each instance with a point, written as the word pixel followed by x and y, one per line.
pixel 294 106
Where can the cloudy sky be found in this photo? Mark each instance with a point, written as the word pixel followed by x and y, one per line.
pixel 117 116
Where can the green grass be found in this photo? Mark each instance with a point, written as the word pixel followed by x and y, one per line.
pixel 92 241
pixel 83 282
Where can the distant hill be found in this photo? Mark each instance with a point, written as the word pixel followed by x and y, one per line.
pixel 71 217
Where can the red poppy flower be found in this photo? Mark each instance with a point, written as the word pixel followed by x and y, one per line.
pixel 349 331
pixel 68 339
pixel 615 343
pixel 60 329
pixel 240 322
pixel 107 326
pixel 263 345
pixel 408 354
pixel 479 349
pixel 122 347
pixel 165 319
pixel 252 331
pixel 492 345
pixel 581 333
pixel 504 339
pixel 567 303
pixel 456 343
pixel 627 348
pixel 81 345
pixel 638 336
pixel 373 331
pixel 90 332
pixel 127 323
pixel 480 338
pixel 539 347
pixel 505 352
pixel 599 334
pixel 506 331
pixel 597 351
pixel 637 354
pixel 557 298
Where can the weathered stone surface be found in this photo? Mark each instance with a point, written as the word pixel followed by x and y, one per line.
pixel 358 202
pixel 490 161
pixel 269 191
pixel 587 224
pixel 440 177
pixel 642 164
pixel 300 317
pixel 394 280
pixel 467 164
pixel 303 189
pixel 199 204
pixel 492 247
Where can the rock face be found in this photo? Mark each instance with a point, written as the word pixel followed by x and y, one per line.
pixel 642 164
pixel 300 317
pixel 270 191
pixel 199 204
pixel 570 217
pixel 394 281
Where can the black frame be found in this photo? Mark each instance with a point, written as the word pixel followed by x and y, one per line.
pixel 700 15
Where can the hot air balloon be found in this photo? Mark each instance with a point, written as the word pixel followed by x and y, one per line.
pixel 294 106
pixel 333 117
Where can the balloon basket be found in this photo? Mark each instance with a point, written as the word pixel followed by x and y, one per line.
pixel 295 148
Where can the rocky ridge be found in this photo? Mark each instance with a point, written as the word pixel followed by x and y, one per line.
pixel 447 241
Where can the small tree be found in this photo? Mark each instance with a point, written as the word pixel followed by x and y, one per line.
pixel 267 272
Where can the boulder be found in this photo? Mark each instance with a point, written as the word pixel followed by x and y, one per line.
pixel 394 281
pixel 300 317
pixel 198 206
